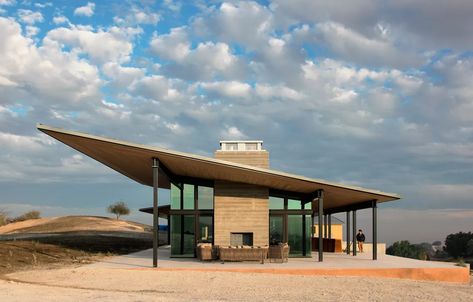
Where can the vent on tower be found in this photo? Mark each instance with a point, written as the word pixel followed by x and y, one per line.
pixel 244 152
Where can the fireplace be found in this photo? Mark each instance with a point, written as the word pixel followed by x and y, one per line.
pixel 241 239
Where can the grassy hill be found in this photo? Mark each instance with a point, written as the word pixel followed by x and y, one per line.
pixel 67 240
pixel 73 224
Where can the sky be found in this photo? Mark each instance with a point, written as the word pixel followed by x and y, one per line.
pixel 370 93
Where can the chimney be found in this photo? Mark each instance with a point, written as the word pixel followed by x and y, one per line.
pixel 244 152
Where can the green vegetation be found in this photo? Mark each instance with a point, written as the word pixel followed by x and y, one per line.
pixel 119 208
pixel 459 244
pixel 406 249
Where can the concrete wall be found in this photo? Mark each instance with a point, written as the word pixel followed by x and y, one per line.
pixel 253 158
pixel 240 208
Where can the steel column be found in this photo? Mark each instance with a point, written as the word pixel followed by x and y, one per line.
pixel 155 212
pixel 348 233
pixel 354 233
pixel 329 226
pixel 320 209
pixel 325 226
pixel 375 230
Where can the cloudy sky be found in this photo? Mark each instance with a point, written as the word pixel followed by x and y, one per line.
pixel 362 92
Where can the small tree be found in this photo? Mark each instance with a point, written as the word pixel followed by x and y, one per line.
pixel 3 217
pixel 119 208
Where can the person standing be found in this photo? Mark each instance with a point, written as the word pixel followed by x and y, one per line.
pixel 360 238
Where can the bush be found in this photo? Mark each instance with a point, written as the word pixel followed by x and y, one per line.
pixel 27 216
pixel 457 245
pixel 119 208
pixel 407 250
pixel 3 218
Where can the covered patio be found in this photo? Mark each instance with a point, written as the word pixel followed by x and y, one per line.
pixel 335 264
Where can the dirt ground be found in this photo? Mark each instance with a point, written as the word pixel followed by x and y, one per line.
pixel 24 255
pixel 82 283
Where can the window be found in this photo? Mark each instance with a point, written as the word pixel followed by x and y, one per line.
pixel 276 203
pixel 175 197
pixel 251 146
pixel 206 198
pixel 231 146
pixel 294 204
pixel 188 197
pixel 206 229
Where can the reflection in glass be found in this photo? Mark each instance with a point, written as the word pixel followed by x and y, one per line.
pixel 294 234
pixel 188 197
pixel 276 229
pixel 276 203
pixel 206 229
pixel 294 204
pixel 182 235
pixel 206 198
pixel 175 197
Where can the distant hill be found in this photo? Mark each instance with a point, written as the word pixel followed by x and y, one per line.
pixel 73 224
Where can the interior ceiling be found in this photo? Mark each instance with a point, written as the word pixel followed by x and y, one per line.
pixel 135 162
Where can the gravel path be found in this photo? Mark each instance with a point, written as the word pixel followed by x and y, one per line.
pixel 75 284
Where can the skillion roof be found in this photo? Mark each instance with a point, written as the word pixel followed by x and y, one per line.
pixel 135 162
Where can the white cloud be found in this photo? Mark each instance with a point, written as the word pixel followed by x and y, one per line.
pixel 43 72
pixel 155 87
pixel 232 132
pixel 247 23
pixel 32 31
pixel 203 62
pixel 60 20
pixel 353 46
pixel 102 46
pixel 230 89
pixel 43 5
pixel 87 10
pixel 30 17
pixel 174 46
pixel 278 91
pixel 7 2
pixel 137 16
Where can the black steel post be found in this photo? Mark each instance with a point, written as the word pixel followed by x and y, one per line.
pixel 375 230
pixel 354 233
pixel 320 209
pixel 329 226
pixel 155 212
pixel 348 233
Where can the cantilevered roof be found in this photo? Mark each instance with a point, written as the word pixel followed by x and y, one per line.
pixel 135 162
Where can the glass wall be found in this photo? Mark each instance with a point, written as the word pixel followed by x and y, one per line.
pixel 206 229
pixel 290 221
pixel 183 235
pixel 206 198
pixel 190 204
pixel 276 229
pixel 276 203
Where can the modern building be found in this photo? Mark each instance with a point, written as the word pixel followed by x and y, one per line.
pixel 233 198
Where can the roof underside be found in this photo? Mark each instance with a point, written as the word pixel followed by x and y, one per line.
pixel 135 162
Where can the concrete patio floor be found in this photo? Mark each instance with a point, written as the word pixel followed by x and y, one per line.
pixel 333 264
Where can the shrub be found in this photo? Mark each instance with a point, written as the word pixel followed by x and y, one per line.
pixel 457 245
pixel 27 216
pixel 407 250
pixel 3 218
pixel 119 208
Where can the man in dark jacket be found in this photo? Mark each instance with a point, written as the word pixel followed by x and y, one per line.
pixel 360 238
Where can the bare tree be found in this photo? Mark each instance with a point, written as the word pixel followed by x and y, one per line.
pixel 119 208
